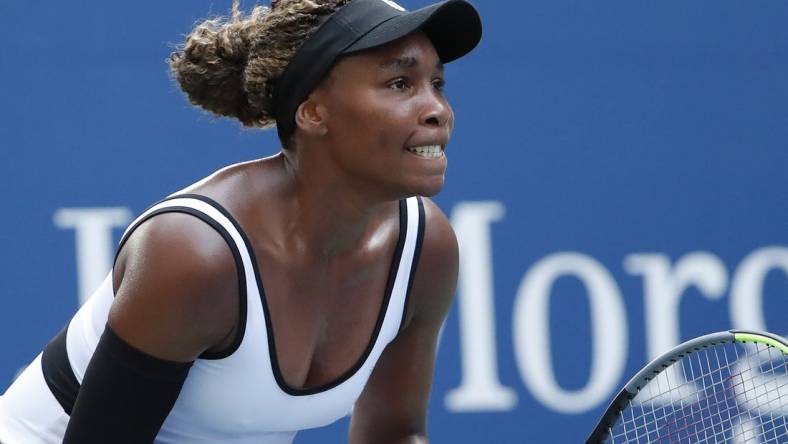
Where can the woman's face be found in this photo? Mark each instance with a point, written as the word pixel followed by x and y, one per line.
pixel 387 119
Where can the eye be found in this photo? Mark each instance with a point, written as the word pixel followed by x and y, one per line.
pixel 399 84
pixel 439 84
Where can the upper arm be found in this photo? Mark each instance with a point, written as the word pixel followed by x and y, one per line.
pixel 174 299
pixel 393 405
pixel 176 288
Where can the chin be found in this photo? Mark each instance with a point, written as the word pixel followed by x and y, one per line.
pixel 429 188
pixel 423 186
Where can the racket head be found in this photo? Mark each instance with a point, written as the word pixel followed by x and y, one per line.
pixel 727 366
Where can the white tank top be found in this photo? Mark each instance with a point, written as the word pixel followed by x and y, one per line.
pixel 242 398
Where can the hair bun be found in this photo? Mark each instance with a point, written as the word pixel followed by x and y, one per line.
pixel 230 66
pixel 210 67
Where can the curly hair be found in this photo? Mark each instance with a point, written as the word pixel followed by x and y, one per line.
pixel 229 66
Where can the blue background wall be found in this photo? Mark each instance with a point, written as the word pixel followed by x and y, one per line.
pixel 640 143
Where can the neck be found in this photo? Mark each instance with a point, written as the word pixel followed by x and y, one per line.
pixel 325 212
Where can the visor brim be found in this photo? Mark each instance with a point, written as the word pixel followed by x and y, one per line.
pixel 453 26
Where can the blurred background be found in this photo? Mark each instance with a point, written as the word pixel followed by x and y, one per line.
pixel 617 180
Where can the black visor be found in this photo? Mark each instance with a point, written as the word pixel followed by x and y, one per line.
pixel 453 26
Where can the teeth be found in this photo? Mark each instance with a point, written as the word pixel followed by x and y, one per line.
pixel 430 151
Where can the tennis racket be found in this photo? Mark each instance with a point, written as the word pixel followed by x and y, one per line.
pixel 728 387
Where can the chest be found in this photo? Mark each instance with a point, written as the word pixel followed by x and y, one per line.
pixel 309 347
pixel 323 318
pixel 324 311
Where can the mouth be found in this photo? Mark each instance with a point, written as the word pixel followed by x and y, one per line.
pixel 427 151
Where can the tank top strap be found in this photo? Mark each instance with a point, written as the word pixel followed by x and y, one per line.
pixel 203 208
pixel 412 223
pixel 216 216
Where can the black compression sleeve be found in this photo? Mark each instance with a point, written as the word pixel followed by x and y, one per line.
pixel 125 395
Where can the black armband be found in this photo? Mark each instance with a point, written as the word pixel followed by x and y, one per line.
pixel 125 395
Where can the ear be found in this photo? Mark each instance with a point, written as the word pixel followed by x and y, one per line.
pixel 311 116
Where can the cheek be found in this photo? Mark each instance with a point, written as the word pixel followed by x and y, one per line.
pixel 371 122
pixel 379 127
pixel 386 138
pixel 393 125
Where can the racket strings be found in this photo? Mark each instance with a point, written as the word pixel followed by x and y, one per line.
pixel 681 420
pixel 724 405
pixel 715 395
pixel 768 425
pixel 687 427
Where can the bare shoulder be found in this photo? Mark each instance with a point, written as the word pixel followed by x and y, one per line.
pixel 176 288
pixel 435 281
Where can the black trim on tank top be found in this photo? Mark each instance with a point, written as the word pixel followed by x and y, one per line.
pixel 393 269
pixel 58 373
pixel 415 262
pixel 239 266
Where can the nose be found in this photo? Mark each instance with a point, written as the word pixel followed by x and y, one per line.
pixel 436 111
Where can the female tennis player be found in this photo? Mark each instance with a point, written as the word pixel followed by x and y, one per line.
pixel 278 294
